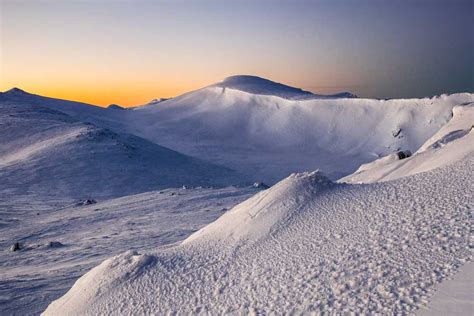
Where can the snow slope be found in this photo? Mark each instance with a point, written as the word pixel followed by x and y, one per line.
pixel 305 245
pixel 33 277
pixel 269 137
pixel 453 142
pixel 244 123
pixel 45 151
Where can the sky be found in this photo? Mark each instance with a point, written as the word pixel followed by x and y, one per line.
pixel 129 52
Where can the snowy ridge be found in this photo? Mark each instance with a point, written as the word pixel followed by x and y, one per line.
pixel 453 142
pixel 266 137
pixel 258 216
pixel 377 248
pixel 269 137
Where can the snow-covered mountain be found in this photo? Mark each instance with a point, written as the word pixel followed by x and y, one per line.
pixel 267 137
pixel 305 245
pixel 46 151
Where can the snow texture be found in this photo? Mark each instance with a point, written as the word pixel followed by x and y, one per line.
pixel 304 245
pixel 36 275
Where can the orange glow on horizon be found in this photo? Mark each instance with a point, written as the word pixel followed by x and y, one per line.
pixel 103 96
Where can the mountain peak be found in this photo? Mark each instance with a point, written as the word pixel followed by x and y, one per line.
pixel 16 91
pixel 248 79
pixel 258 85
pixel 115 107
pixel 262 86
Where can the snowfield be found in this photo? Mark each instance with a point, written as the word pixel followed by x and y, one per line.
pixel 150 209
pixel 33 277
pixel 305 245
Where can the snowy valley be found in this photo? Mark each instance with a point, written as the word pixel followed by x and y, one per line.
pixel 151 209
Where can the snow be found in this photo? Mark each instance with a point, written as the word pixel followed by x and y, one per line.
pixel 33 277
pixel 454 297
pixel 387 238
pixel 267 137
pixel 115 107
pixel 261 86
pixel 453 142
pixel 43 150
pixel 304 245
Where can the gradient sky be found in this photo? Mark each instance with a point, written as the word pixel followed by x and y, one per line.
pixel 129 52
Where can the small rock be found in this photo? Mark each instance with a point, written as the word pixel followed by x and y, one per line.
pixel 260 185
pixel 86 202
pixel 54 244
pixel 396 132
pixel 16 246
pixel 402 154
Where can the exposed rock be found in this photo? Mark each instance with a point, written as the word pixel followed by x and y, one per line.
pixel 86 202
pixel 260 185
pixel 402 154
pixel 16 246
pixel 397 132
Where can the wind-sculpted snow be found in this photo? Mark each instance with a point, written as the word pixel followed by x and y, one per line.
pixel 453 142
pixel 268 138
pixel 45 151
pixel 256 217
pixel 305 245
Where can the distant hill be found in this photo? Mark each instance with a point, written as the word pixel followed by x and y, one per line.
pixel 45 151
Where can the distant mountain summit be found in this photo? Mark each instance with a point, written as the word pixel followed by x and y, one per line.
pixel 115 107
pixel 15 92
pixel 258 85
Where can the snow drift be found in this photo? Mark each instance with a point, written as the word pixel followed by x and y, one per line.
pixel 453 142
pixel 304 245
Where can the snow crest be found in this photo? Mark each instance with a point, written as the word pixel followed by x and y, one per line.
pixel 329 248
pixel 266 212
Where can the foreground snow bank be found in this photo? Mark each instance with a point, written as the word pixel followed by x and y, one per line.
pixel 109 274
pixel 305 245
